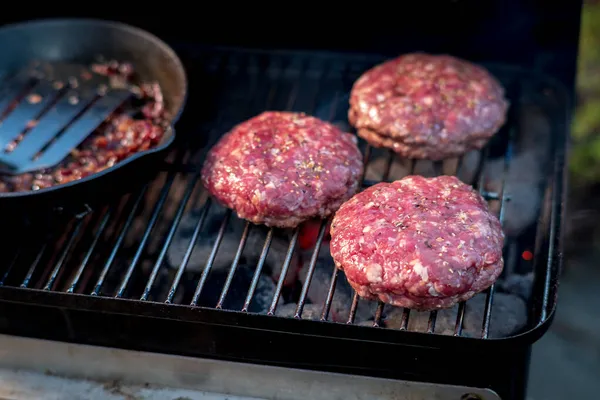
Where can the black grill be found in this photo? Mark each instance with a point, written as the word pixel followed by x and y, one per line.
pixel 107 276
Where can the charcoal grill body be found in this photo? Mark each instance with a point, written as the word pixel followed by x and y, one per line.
pixel 35 295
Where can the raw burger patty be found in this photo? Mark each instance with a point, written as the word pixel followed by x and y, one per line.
pixel 421 243
pixel 282 168
pixel 427 107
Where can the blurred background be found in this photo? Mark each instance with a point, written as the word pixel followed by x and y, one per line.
pixel 566 361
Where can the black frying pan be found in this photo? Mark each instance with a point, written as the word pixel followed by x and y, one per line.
pixel 81 41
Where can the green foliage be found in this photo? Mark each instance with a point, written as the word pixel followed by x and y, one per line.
pixel 589 49
pixel 585 161
pixel 585 131
pixel 587 119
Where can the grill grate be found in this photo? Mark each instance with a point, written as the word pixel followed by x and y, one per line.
pixel 122 251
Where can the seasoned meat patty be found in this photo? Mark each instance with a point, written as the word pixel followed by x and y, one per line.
pixel 282 168
pixel 427 107
pixel 421 243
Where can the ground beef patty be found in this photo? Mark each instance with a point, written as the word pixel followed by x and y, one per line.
pixel 282 168
pixel 421 243
pixel 427 107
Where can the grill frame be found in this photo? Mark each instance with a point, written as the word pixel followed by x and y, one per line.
pixel 266 339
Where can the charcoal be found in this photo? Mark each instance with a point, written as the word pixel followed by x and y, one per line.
pixel 524 187
pixel 263 296
pixel 310 311
pixel 319 287
pixel 509 316
pixel 366 323
pixel 229 245
pixel 342 125
pixel 167 213
pixel 517 284
pixel 236 296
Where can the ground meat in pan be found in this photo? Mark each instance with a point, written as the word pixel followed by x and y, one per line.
pixel 283 168
pixel 119 137
pixel 421 243
pixel 427 107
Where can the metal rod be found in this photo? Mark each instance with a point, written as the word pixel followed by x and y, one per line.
pixel 388 165
pixel 451 166
pixel 481 170
pixel 438 168
pixel 153 218
pixel 353 308
pixel 459 164
pixel 404 319
pixel 90 251
pixel 460 315
pixel 311 268
pixel 284 270
pixel 118 242
pixel 330 294
pixel 234 265
pixel 10 266
pixel 412 166
pixel 551 250
pixel 490 195
pixel 489 301
pixel 378 314
pixel 257 272
pixel 34 265
pixel 188 251
pixel 366 158
pixel 170 236
pixel 431 322
pixel 211 258
pixel 63 255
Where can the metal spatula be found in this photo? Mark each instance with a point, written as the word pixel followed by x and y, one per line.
pixel 47 110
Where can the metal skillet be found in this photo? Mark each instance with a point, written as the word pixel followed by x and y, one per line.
pixel 82 41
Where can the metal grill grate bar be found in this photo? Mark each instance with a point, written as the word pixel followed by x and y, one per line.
pixel 234 265
pixel 12 263
pixel 330 293
pixel 170 235
pixel 118 243
pixel 146 235
pixel 188 252
pixel 63 256
pixel 211 259
pixel 311 269
pixel 284 271
pixel 259 267
pixel 34 265
pixel 90 251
